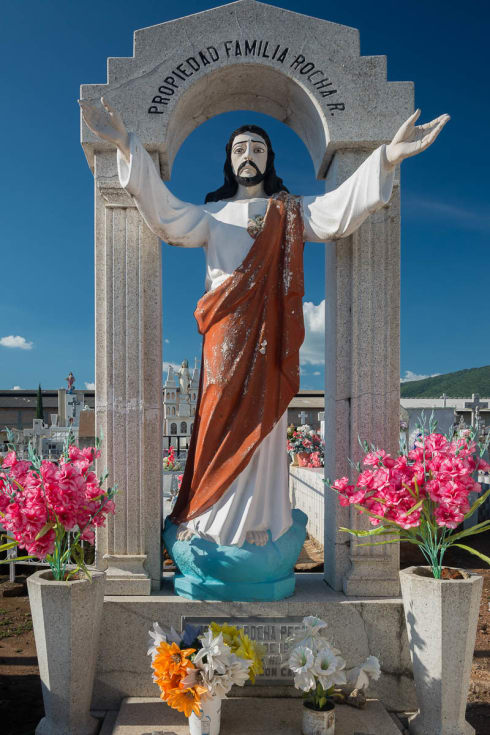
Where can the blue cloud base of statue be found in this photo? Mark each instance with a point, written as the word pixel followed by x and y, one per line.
pixel 248 573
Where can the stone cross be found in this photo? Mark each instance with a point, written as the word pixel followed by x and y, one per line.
pixel 444 396
pixel 302 417
pixel 475 404
pixel 74 403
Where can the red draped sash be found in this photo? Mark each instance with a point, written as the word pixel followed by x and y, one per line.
pixel 252 327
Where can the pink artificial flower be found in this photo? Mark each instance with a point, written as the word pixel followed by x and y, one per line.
pixel 374 458
pixel 448 516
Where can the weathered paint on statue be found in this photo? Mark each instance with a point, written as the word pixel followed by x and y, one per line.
pixel 235 489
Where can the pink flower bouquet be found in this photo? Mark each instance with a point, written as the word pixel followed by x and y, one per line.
pixel 421 497
pixel 48 508
pixel 304 440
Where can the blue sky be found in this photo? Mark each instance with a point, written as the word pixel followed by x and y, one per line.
pixel 50 47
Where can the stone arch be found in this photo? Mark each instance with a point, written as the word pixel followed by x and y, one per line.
pixel 254 87
pixel 183 427
pixel 305 72
pixel 173 428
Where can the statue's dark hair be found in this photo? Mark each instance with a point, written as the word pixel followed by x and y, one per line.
pixel 272 183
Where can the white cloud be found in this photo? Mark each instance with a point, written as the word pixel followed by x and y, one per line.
pixel 313 349
pixel 317 372
pixel 89 386
pixel 16 387
pixel 167 341
pixel 409 376
pixel 166 365
pixel 16 341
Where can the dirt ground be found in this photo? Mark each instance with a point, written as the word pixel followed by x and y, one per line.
pixel 21 705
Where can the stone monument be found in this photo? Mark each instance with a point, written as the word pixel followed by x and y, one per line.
pixel 309 74
pixel 207 496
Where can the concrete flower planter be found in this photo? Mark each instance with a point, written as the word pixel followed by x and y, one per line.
pixel 441 618
pixel 66 618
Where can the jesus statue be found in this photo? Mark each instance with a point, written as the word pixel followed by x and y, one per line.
pixel 235 485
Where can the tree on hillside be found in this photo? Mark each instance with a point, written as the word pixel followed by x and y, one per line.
pixel 39 406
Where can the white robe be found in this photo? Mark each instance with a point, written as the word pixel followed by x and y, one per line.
pixel 258 499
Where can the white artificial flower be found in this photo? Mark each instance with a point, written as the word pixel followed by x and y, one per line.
pixel 301 659
pixel 239 670
pixel 304 681
pixel 191 679
pixel 360 675
pixel 158 635
pixel 215 650
pixel 309 635
pixel 328 668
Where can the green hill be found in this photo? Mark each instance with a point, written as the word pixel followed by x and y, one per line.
pixel 455 385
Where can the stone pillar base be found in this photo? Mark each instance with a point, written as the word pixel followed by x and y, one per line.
pixel 370 577
pixel 125 575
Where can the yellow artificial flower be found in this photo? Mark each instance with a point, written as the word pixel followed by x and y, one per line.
pixel 252 651
pixel 230 634
pixel 242 646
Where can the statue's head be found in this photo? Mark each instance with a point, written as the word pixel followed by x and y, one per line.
pixel 249 161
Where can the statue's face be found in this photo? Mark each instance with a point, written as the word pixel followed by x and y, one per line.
pixel 249 158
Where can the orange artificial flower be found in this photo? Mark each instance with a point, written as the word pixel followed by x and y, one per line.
pixel 187 700
pixel 171 661
pixel 166 685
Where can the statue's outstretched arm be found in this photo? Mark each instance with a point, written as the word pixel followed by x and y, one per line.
pixel 106 123
pixel 175 222
pixel 340 212
pixel 412 139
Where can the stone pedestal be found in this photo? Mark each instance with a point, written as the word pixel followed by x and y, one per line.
pixel 358 627
pixel 128 324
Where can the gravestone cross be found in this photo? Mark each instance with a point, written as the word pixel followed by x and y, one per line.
pixel 302 417
pixel 475 404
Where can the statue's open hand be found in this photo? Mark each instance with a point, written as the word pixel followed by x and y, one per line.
pixel 106 123
pixel 412 139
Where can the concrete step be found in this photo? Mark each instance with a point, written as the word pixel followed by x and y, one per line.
pixel 248 716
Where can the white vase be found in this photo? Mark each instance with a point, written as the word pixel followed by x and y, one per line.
pixel 317 722
pixel 441 617
pixel 66 618
pixel 210 719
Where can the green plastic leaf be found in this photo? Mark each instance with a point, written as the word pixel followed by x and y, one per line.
pixel 374 515
pixel 379 543
pixel 477 504
pixel 10 545
pixel 16 559
pixel 484 558
pixel 415 507
pixel 478 528
pixel 378 531
pixel 44 530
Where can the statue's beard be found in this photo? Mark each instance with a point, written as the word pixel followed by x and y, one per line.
pixel 249 180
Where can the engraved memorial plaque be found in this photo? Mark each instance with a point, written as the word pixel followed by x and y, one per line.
pixel 272 634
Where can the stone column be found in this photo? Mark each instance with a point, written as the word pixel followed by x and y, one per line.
pixel 362 378
pixel 128 373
